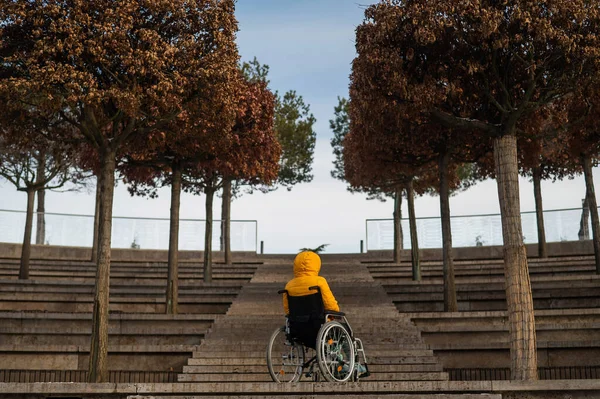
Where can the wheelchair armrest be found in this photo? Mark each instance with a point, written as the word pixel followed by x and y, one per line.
pixel 334 313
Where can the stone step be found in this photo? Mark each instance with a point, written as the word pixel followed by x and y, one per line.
pixel 53 328
pixel 426 290
pixel 152 287
pixel 358 329
pixel 482 280
pixel 255 346
pixel 139 280
pixel 373 368
pixel 39 274
pixel 84 339
pixel 561 292
pixel 126 269
pixel 480 264
pixel 328 396
pixel 495 271
pixel 78 297
pixel 390 352
pixel 114 317
pixel 393 360
pixel 265 377
pixel 124 306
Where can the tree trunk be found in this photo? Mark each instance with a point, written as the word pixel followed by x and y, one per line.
pixel 584 230
pixel 398 237
pixel 539 212
pixel 517 284
pixel 414 239
pixel 26 248
pixel 593 205
pixel 210 193
pixel 96 218
pixel 450 302
pixel 173 272
pixel 226 220
pixel 98 370
pixel 40 233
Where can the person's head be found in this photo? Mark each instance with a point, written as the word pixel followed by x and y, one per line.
pixel 307 263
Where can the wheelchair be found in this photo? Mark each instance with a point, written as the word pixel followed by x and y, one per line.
pixel 339 355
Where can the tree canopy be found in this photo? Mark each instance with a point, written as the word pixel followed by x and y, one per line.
pixel 117 72
pixel 480 67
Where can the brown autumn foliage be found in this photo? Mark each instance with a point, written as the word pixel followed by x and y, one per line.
pixel 32 163
pixel 185 156
pixel 115 72
pixel 414 140
pixel 486 66
pixel 583 144
pixel 249 151
pixel 543 156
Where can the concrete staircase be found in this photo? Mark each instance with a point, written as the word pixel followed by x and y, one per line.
pixel 45 322
pixel 234 349
pixel 228 350
pixel 474 342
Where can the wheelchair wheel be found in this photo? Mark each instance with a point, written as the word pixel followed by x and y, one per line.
pixel 284 359
pixel 335 352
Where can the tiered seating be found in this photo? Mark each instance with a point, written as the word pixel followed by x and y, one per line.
pixel 566 293
pixel 45 322
pixel 223 355
pixel 557 283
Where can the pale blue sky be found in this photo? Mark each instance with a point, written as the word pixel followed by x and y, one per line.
pixel 309 46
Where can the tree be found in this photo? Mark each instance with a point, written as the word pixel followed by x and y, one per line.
pixel 115 74
pixel 32 166
pixel 583 145
pixel 340 126
pixel 161 162
pixel 294 129
pixel 369 160
pixel 40 232
pixel 79 181
pixel 486 66
pixel 294 126
pixel 543 156
pixel 248 152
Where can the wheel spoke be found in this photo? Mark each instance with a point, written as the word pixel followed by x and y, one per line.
pixel 336 352
pixel 284 359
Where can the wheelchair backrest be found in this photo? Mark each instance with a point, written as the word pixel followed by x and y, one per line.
pixel 303 308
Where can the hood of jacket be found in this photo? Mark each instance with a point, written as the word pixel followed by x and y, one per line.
pixel 307 263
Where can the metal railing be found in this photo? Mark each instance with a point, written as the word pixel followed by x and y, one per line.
pixel 127 232
pixel 544 373
pixel 115 376
pixel 476 230
pixel 129 376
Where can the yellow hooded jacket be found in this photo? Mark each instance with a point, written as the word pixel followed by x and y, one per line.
pixel 306 274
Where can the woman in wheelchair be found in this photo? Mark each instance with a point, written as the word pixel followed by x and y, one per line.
pixel 313 320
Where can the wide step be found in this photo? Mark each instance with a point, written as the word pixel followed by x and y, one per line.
pixel 329 396
pixel 263 377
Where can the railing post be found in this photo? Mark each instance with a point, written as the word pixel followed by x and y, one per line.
pixel 262 247
pixel 361 246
